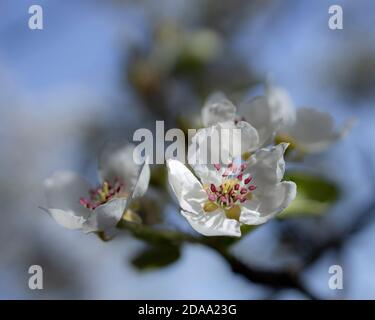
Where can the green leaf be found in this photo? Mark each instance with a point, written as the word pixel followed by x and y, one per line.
pixel 155 257
pixel 315 195
pixel 158 176
pixel 155 236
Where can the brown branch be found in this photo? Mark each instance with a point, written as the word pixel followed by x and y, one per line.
pixel 284 279
pixel 363 219
pixel 275 279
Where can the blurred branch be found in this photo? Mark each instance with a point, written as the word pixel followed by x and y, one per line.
pixel 337 241
pixel 285 279
pixel 361 220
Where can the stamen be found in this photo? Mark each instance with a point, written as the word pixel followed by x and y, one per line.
pixel 101 194
pixel 247 180
pixel 243 166
pixel 233 189
pixel 105 187
pixel 83 202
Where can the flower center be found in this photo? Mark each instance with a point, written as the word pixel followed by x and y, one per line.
pixel 236 188
pixel 102 194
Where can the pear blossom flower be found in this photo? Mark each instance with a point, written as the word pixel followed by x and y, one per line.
pixel 274 116
pixel 220 198
pixel 218 108
pixel 74 204
pixel 221 143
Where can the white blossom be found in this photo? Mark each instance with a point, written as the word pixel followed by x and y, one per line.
pixel 222 197
pixel 274 116
pixel 74 204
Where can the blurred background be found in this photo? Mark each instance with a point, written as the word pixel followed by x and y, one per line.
pixel 102 69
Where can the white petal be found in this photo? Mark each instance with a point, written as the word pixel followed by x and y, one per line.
pixel 268 202
pixel 267 165
pixel 249 137
pixel 204 150
pixel 64 190
pixel 188 190
pixel 213 224
pixel 220 144
pixel 217 109
pixel 106 216
pixel 314 130
pixel 66 219
pixel 281 105
pixel 142 183
pixel 117 162
pixel 208 174
pixel 259 114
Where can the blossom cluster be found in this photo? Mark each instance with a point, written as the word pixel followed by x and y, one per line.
pixel 244 187
pixel 247 188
